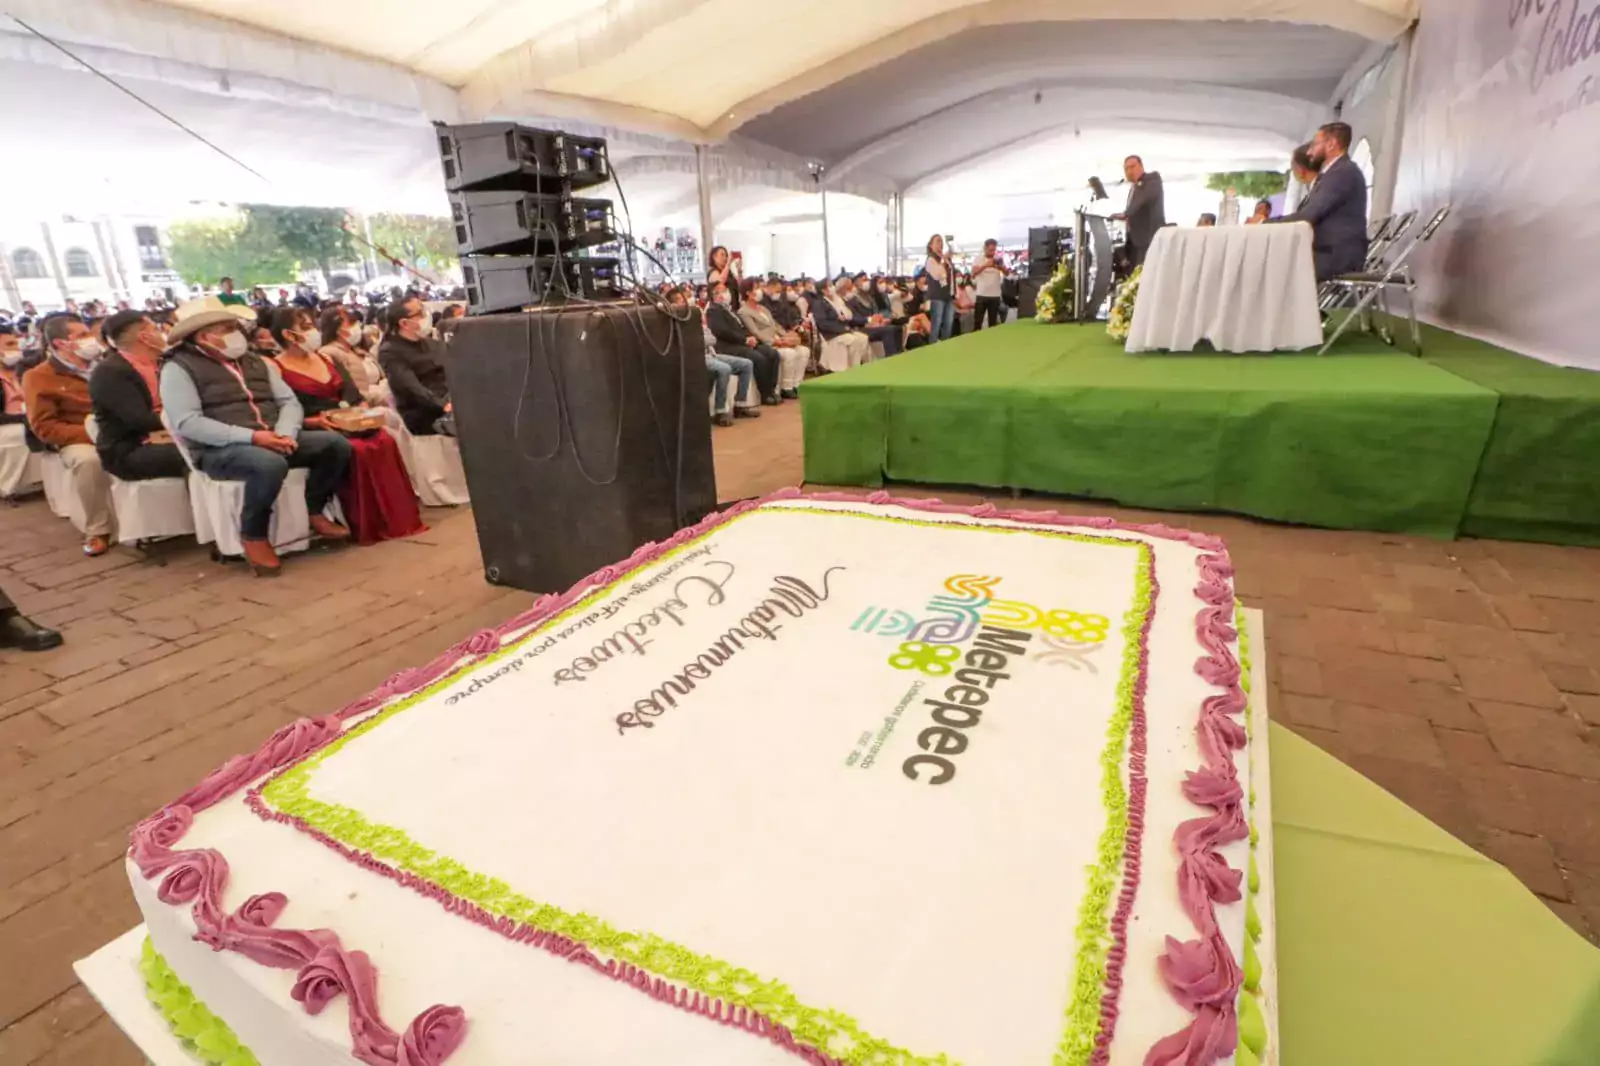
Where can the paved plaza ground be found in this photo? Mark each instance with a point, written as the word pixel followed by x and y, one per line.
pixel 1463 677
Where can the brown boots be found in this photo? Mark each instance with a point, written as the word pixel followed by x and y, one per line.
pixel 263 561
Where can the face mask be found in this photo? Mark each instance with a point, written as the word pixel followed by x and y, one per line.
pixel 758 296
pixel 234 346
pixel 355 336
pixel 10 359
pixel 89 349
pixel 312 340
pixel 722 298
pixel 791 296
pixel 424 329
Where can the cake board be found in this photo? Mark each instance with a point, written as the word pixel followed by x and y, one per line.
pixel 112 974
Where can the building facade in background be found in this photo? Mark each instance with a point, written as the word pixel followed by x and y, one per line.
pixel 47 261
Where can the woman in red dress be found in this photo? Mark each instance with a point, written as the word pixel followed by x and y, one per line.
pixel 378 501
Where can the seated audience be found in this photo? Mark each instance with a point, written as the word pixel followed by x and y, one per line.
pixel 790 346
pixel 260 334
pixel 241 422
pixel 1336 206
pixel 410 359
pixel 1207 220
pixel 56 396
pixel 865 317
pixel 376 492
pixel 734 338
pixel 843 346
pixel 783 304
pixel 11 407
pixel 1262 213
pixel 966 298
pixel 723 367
pixel 917 332
pixel 344 341
pixel 126 393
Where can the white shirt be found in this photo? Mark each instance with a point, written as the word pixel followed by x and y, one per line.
pixel 987 283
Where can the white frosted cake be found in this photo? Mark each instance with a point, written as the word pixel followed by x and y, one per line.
pixel 825 779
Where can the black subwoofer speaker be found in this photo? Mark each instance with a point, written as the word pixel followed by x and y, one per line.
pixel 584 432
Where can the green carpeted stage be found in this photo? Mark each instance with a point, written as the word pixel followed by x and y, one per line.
pixel 1471 439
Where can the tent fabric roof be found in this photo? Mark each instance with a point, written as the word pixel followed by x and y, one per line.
pixel 887 95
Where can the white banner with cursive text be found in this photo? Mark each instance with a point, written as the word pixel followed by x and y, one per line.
pixel 1500 122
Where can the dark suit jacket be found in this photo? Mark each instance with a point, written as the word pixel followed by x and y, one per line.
pixel 124 409
pixel 728 328
pixel 1147 212
pixel 1336 207
pixel 828 321
pixel 417 380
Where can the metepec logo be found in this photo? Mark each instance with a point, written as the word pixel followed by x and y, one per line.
pixel 1567 33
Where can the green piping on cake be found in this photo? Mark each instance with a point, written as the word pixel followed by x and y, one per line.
pixel 1252 1022
pixel 201 1031
pixel 1094 927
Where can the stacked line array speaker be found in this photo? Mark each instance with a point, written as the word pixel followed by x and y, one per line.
pixel 584 434
pixel 521 229
pixel 1044 250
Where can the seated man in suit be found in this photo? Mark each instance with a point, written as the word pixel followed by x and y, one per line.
pixel 125 390
pixel 1336 207
pixel 733 337
pixel 866 318
pixel 410 358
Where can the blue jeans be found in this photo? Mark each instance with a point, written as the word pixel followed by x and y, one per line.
pixel 324 456
pixel 941 319
pixel 725 366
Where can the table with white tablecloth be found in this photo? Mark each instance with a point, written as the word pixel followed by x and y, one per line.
pixel 1242 288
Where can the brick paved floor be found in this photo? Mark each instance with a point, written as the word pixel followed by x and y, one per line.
pixel 1463 677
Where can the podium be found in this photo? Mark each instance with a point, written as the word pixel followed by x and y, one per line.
pixel 1091 267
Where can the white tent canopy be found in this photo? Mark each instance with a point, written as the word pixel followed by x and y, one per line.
pixel 330 103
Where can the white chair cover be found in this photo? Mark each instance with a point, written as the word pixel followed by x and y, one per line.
pixel 151 510
pixel 58 490
pixel 217 505
pixel 434 464
pixel 19 468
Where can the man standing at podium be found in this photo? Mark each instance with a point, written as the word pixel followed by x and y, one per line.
pixel 1146 211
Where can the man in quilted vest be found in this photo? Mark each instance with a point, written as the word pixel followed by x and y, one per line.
pixel 242 423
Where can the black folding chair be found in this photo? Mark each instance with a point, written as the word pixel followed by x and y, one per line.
pixel 1369 288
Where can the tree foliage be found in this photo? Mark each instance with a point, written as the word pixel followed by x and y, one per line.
pixel 314 236
pixel 262 244
pixel 418 240
pixel 1252 184
pixel 204 250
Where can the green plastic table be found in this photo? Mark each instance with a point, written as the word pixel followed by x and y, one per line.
pixel 1398 945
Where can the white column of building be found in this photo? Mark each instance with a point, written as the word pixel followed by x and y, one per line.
pixel 8 282
pixel 54 260
pixel 707 233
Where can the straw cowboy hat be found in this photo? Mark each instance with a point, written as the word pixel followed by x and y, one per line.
pixel 206 311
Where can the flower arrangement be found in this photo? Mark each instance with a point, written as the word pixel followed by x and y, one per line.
pixel 1122 311
pixel 1054 303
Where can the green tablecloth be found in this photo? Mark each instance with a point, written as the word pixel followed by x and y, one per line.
pixel 1400 946
pixel 1369 438
pixel 1538 477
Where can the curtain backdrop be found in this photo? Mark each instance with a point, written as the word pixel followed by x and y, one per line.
pixel 1501 124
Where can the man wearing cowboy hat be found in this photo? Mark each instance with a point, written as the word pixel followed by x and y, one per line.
pixel 242 423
